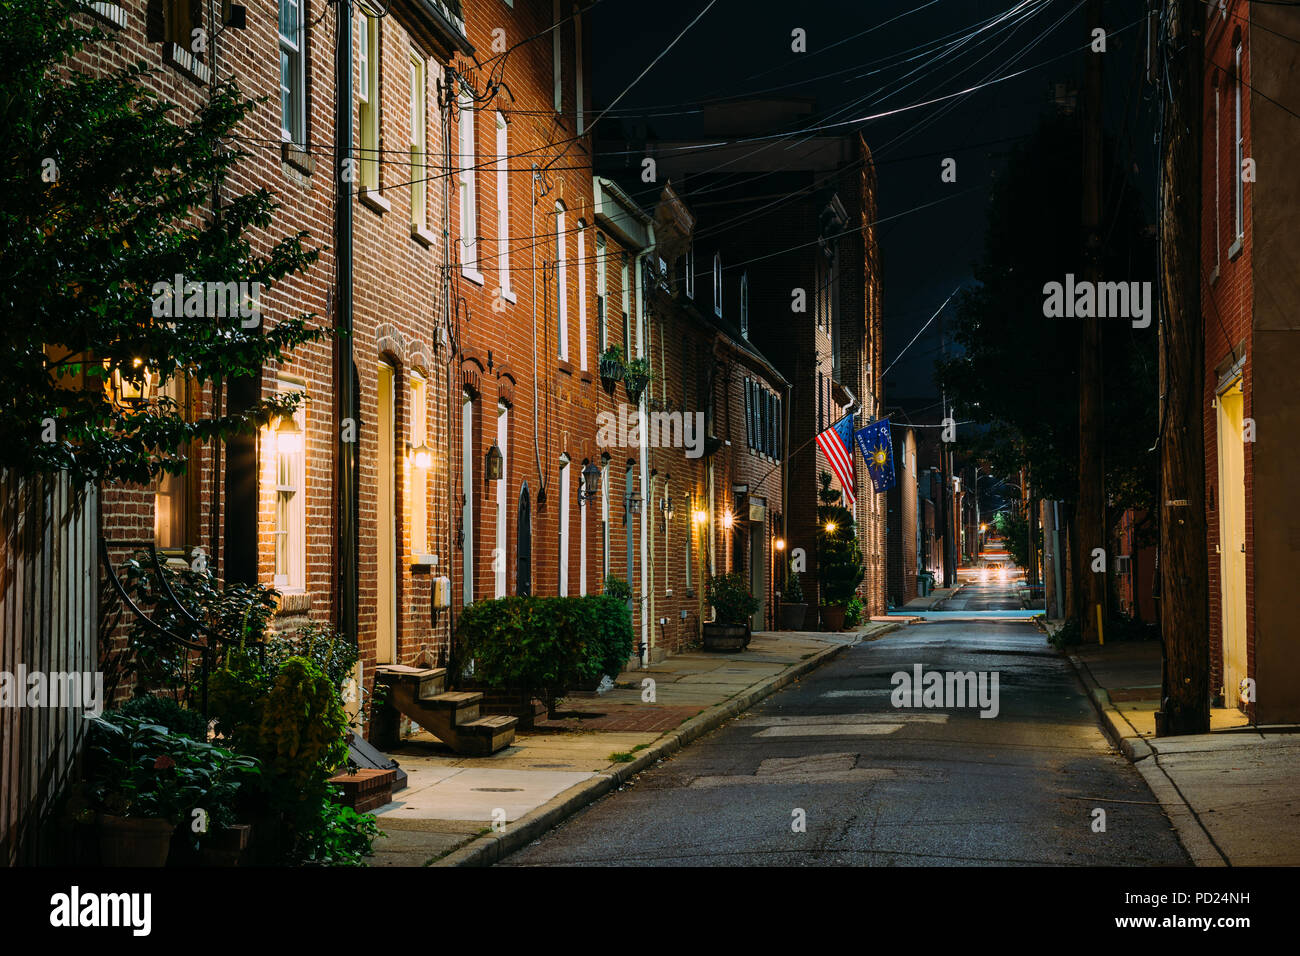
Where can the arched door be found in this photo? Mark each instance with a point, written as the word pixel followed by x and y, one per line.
pixel 524 545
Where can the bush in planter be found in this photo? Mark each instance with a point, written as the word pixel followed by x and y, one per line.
pixel 140 770
pixel 729 596
pixel 793 589
pixel 839 562
pixel 542 645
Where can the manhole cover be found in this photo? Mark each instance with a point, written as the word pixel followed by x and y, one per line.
pixel 498 789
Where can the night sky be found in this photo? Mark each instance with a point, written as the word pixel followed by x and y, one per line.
pixel 867 58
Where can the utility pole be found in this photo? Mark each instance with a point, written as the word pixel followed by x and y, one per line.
pixel 1184 582
pixel 1090 522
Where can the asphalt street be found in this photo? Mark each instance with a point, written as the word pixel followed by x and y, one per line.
pixel 831 772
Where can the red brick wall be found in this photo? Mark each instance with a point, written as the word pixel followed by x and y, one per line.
pixel 1228 295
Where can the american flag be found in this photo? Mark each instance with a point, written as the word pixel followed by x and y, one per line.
pixel 836 444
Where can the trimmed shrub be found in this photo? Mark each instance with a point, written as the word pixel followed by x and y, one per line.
pixel 544 645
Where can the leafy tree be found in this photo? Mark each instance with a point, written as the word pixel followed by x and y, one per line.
pixel 1017 375
pixel 106 194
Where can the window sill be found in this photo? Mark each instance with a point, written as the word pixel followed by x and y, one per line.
pixel 185 62
pixel 423 563
pixel 298 158
pixel 509 296
pixel 110 13
pixel 372 199
pixel 293 601
pixel 586 376
pixel 565 366
pixel 1234 250
pixel 472 275
pixel 423 236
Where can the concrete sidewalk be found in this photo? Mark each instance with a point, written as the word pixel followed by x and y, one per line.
pixel 1233 794
pixel 465 811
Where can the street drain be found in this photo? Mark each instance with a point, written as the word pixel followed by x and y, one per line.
pixel 498 789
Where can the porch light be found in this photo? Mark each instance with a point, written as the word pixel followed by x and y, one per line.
pixel 422 456
pixel 634 502
pixel 493 464
pixel 666 506
pixel 136 388
pixel 779 544
pixel 700 515
pixel 590 486
pixel 728 519
pixel 289 439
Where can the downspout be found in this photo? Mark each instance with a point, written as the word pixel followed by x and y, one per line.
pixel 644 464
pixel 346 379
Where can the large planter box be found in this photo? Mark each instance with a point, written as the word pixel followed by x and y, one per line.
pixel 793 616
pixel 725 637
pixel 832 618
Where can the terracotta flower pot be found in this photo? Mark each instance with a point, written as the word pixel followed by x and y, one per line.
pixel 832 617
pixel 134 841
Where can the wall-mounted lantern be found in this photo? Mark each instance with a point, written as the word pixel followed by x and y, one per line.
pixel 289 439
pixel 135 389
pixel 728 519
pixel 422 456
pixel 590 486
pixel 634 502
pixel 666 507
pixel 493 464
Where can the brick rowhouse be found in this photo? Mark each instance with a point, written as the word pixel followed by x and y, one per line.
pixel 1249 246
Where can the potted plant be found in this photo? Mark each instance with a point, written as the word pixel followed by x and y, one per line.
pixel 733 606
pixel 839 562
pixel 143 780
pixel 636 377
pixel 793 609
pixel 611 368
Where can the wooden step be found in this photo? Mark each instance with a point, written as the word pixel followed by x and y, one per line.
pixel 486 735
pixel 463 705
pixel 423 681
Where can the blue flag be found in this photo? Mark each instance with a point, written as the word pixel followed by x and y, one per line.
pixel 878 450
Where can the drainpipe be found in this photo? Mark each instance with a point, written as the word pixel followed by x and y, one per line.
pixel 643 463
pixel 346 379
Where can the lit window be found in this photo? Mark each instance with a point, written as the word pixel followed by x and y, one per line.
pixel 170 523
pixel 289 534
pixel 419 468
pixel 293 81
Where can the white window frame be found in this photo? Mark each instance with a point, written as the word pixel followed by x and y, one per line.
pixel 293 127
pixel 625 281
pixel 418 486
pixel 561 283
pixel 1239 187
pixel 602 294
pixel 419 144
pixel 582 294
pixel 369 97
pixel 579 118
pixel 503 208
pixel 468 452
pixel 502 495
pixel 290 533
pixel 583 508
pixel 467 179
pixel 690 270
pixel 604 524
pixel 564 526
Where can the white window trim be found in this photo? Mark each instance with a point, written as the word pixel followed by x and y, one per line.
pixel 602 292
pixel 582 295
pixel 418 487
pixel 557 57
pixel 295 47
pixel 564 526
pixel 717 284
pixel 690 270
pixel 503 209
pixel 368 113
pixel 578 117
pixel 502 496
pixel 744 305
pixel 468 190
pixel 467 493
pixel 561 284
pixel 419 144
pixel 1239 203
pixel 294 580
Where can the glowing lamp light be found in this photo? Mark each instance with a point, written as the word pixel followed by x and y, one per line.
pixel 422 456
pixel 289 439
pixel 136 388
pixel 728 519
pixel 700 515
pixel 780 544
pixel 830 527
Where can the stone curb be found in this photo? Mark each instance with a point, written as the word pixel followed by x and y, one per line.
pixel 494 847
pixel 1191 832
